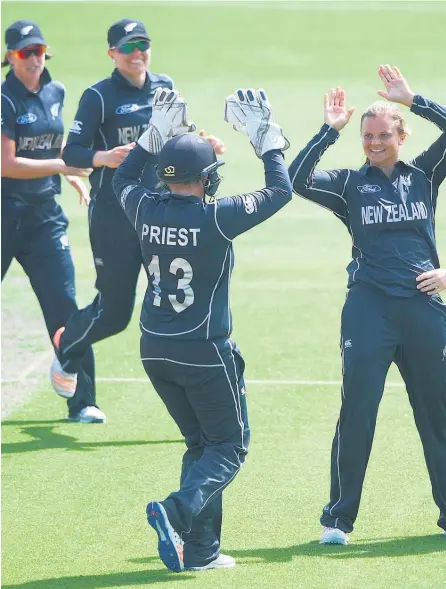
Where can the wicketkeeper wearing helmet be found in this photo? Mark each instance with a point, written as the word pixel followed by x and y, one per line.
pixel 186 350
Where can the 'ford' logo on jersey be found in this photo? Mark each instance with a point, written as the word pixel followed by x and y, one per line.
pixel 26 119
pixel 126 108
pixel 367 188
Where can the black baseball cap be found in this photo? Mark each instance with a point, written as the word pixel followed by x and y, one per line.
pixel 23 33
pixel 126 30
pixel 184 158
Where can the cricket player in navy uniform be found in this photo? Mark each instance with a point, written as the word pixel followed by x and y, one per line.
pixel 186 349
pixel 33 223
pixel 393 312
pixel 112 114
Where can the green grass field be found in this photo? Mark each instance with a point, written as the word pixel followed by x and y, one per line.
pixel 74 496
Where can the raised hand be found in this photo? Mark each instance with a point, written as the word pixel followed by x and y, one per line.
pixel 335 113
pixel 169 118
pixel 397 88
pixel 250 113
pixel 217 144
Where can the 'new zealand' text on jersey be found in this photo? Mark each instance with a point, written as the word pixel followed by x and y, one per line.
pixel 112 112
pixel 34 121
pixel 391 220
pixel 187 246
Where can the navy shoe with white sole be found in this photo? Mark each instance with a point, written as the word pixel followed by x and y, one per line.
pixel 170 545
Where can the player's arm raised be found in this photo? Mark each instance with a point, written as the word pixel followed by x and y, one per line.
pixel 169 118
pixel 250 112
pixel 324 187
pixel 432 161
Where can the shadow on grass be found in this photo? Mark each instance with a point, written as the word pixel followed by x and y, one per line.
pixel 34 421
pixel 111 580
pixel 45 438
pixel 379 548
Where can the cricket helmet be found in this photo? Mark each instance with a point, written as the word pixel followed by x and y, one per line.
pixel 189 157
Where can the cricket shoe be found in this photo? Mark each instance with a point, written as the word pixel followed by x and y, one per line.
pixel 333 536
pixel 223 561
pixel 89 414
pixel 170 545
pixel 64 383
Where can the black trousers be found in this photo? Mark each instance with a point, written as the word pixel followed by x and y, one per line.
pixel 117 257
pixel 36 237
pixel 201 383
pixel 377 330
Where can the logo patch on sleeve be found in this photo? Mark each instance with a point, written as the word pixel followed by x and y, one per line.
pixel 250 204
pixel 76 127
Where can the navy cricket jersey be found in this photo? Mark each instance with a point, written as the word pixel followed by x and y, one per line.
pixel 391 220
pixel 112 112
pixel 34 121
pixel 187 246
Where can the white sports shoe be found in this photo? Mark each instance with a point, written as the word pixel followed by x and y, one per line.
pixel 223 561
pixel 89 414
pixel 333 536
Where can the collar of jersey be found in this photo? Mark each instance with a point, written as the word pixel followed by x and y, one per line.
pixel 368 169
pixel 182 198
pixel 18 88
pixel 118 77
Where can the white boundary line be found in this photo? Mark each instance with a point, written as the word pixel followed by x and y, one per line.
pixel 305 383
pixel 35 366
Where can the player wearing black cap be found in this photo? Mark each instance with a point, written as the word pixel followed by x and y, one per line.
pixel 33 223
pixel 112 114
pixel 186 349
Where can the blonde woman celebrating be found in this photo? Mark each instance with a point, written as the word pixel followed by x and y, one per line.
pixel 393 312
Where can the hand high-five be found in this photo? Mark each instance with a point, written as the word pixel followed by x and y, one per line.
pixel 335 113
pixel 250 112
pixel 397 88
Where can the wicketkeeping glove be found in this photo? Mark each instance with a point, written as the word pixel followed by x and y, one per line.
pixel 169 118
pixel 250 112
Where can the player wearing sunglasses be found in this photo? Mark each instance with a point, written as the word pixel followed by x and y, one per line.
pixel 111 116
pixel 33 223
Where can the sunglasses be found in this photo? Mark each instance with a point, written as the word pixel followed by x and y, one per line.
pixel 26 52
pixel 129 48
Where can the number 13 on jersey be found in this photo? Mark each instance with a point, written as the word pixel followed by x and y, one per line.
pixel 177 266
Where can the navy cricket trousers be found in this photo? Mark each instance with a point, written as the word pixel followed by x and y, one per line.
pixel 377 330
pixel 36 236
pixel 117 257
pixel 201 383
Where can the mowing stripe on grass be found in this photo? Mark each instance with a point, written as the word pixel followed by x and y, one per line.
pixel 305 383
pixel 308 383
